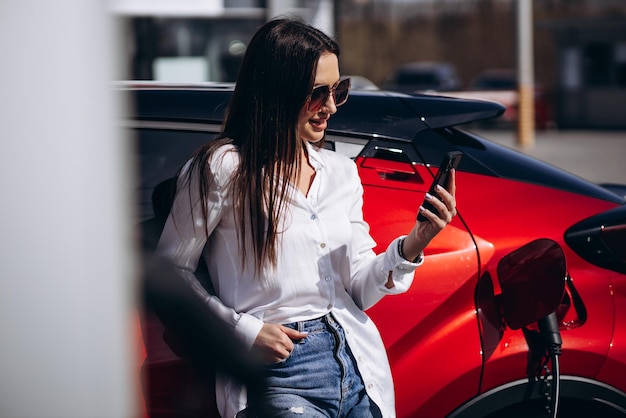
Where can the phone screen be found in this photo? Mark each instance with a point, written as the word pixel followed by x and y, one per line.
pixel 450 161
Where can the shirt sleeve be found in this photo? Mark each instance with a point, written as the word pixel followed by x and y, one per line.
pixel 370 272
pixel 182 243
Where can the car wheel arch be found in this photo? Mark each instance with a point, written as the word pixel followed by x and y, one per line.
pixel 581 391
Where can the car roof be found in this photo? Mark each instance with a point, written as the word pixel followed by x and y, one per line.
pixel 379 113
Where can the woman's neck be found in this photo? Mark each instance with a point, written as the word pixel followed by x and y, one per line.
pixel 306 173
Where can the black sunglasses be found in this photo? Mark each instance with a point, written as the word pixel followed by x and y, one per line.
pixel 320 94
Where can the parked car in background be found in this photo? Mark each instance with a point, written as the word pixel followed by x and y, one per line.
pixel 423 76
pixel 501 85
pixel 358 82
pixel 534 254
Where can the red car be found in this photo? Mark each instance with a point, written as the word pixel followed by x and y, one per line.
pixel 520 306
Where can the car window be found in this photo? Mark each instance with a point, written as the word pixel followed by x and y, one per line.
pixel 348 146
pixel 160 153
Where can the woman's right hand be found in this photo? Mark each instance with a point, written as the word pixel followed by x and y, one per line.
pixel 423 232
pixel 275 342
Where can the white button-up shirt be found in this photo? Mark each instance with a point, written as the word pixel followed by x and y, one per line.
pixel 325 264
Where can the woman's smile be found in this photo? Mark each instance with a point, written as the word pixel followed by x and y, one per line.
pixel 319 123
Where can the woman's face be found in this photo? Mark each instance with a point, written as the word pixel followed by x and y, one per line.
pixel 312 125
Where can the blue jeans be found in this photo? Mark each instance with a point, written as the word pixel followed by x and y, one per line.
pixel 319 379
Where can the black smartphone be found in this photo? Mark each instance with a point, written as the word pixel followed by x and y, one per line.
pixel 450 161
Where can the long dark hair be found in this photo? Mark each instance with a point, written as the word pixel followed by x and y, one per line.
pixel 275 79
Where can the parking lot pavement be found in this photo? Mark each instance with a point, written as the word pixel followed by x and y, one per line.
pixel 599 156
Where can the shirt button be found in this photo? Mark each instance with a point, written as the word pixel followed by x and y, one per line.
pixel 330 306
pixel 313 217
pixel 327 278
pixel 323 245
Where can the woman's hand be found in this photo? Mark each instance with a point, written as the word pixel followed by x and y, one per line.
pixel 423 232
pixel 275 342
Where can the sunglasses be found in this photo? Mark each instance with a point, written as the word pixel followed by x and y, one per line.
pixel 320 95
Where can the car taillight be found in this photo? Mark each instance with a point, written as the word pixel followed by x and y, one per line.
pixel 601 239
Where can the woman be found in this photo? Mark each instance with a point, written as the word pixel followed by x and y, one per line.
pixel 279 222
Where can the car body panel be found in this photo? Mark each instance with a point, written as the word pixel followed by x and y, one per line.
pixel 613 369
pixel 455 248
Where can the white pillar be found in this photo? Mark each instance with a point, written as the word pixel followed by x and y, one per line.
pixel 317 13
pixel 324 17
pixel 66 259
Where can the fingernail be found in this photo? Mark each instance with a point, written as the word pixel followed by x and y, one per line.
pixel 438 187
pixel 428 195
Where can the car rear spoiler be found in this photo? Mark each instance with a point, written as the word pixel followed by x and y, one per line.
pixel 395 115
pixel 383 114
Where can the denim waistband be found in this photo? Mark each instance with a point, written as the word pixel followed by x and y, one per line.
pixel 313 324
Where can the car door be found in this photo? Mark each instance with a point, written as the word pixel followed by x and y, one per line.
pixel 171 387
pixel 431 331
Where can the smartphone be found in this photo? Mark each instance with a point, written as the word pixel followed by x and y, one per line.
pixel 450 161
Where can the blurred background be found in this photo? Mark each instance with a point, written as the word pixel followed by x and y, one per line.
pixel 579 47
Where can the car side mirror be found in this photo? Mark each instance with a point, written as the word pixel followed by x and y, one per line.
pixel 532 281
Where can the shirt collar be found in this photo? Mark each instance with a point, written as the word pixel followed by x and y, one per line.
pixel 315 157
